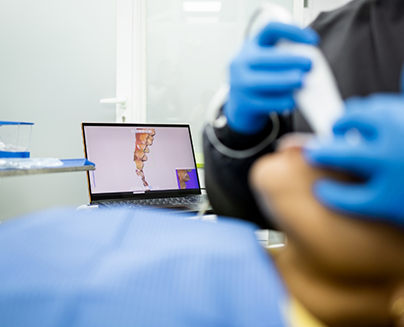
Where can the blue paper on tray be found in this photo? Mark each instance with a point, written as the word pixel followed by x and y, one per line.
pixel 38 163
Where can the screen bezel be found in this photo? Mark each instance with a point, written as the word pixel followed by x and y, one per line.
pixel 146 194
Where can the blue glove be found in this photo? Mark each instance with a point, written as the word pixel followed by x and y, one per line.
pixel 262 79
pixel 369 143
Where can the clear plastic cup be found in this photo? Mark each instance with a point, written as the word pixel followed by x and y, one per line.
pixel 15 139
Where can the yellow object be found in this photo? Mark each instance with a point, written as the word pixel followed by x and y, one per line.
pixel 199 160
pixel 398 308
pixel 300 317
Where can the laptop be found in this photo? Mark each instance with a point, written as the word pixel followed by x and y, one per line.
pixel 142 165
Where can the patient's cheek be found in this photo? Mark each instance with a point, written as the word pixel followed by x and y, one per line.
pixel 281 183
pixel 274 173
pixel 258 173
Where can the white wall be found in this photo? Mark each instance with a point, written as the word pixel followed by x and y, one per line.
pixel 57 59
pixel 315 7
pixel 188 54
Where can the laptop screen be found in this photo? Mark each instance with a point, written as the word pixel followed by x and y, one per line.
pixel 140 160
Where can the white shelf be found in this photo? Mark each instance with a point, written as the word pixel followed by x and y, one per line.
pixel 69 165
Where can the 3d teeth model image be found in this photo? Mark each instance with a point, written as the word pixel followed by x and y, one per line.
pixel 183 177
pixel 144 139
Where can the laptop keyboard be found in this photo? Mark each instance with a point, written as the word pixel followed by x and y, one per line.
pixel 159 202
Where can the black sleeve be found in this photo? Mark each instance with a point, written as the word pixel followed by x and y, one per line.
pixel 227 178
pixel 363 44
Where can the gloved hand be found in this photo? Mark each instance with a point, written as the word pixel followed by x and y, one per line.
pixel 262 78
pixel 369 143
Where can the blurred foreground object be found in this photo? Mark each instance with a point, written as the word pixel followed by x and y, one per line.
pixel 368 143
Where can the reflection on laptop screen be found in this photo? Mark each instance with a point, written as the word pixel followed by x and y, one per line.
pixel 140 158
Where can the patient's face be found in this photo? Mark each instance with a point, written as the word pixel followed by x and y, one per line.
pixel 328 241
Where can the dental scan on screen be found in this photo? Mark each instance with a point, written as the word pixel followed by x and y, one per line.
pixel 140 159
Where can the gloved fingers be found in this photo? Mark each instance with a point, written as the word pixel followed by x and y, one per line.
pixel 354 103
pixel 339 154
pixel 371 116
pixel 275 82
pixel 365 124
pixel 265 105
pixel 387 108
pixel 357 104
pixel 251 116
pixel 271 60
pixel 363 130
pixel 348 197
pixel 273 32
pixel 376 104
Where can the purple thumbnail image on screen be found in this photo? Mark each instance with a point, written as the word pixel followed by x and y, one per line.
pixel 187 179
